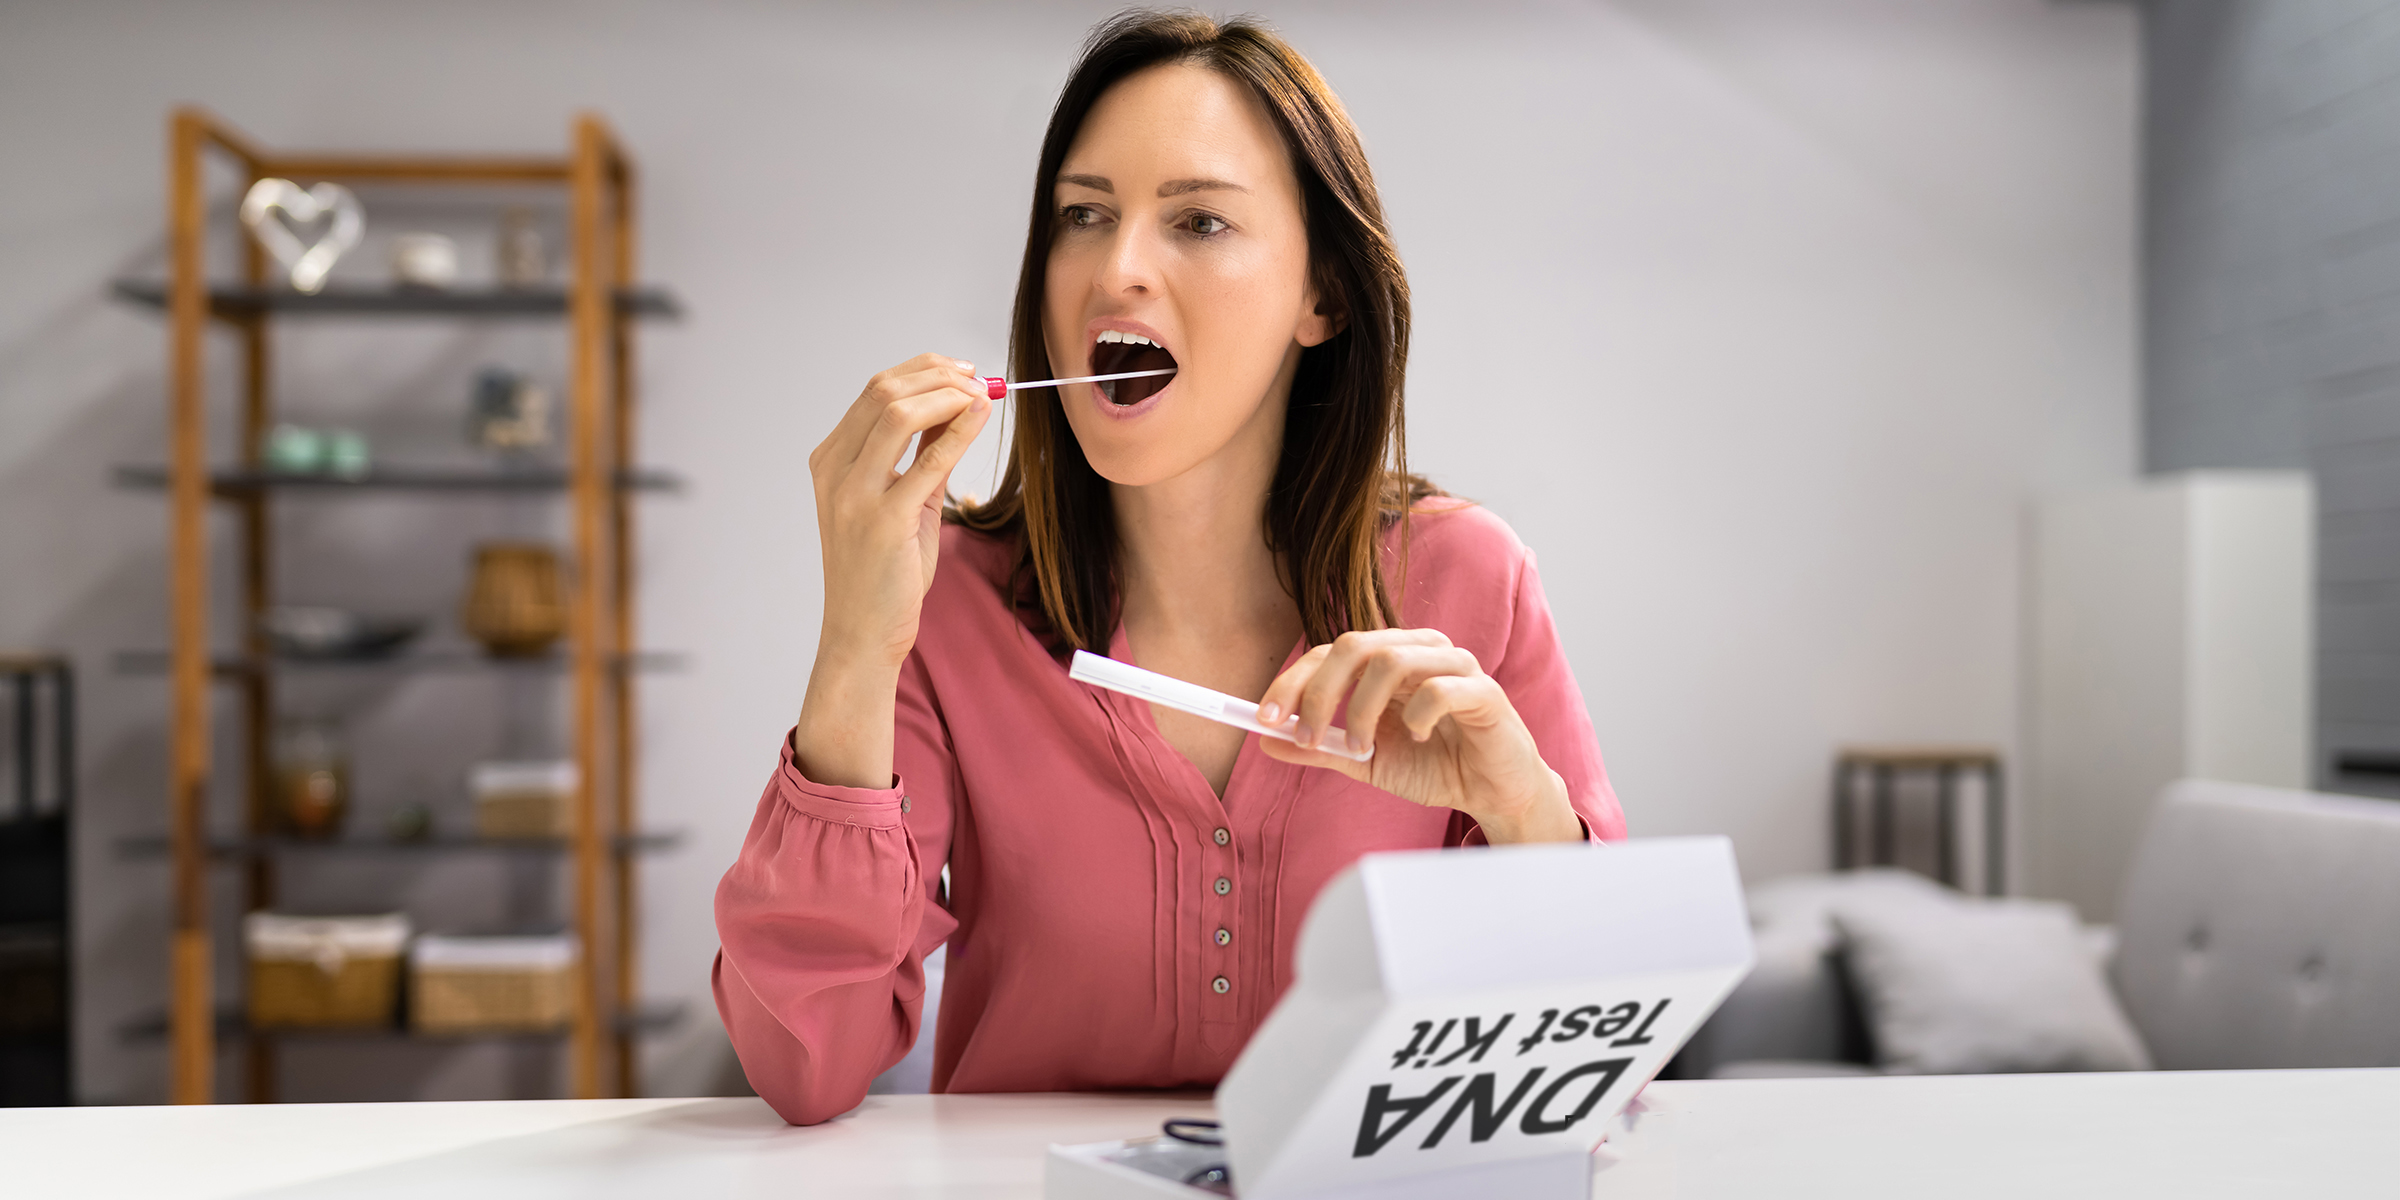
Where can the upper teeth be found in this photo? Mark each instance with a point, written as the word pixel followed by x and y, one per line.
pixel 1116 335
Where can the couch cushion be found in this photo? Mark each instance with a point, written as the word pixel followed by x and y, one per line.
pixel 1966 985
pixel 2261 928
pixel 1791 1068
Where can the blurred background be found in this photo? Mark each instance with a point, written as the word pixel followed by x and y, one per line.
pixel 1847 363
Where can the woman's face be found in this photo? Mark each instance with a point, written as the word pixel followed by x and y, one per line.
pixel 1179 243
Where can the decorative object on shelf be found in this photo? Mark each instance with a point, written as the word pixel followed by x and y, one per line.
pixel 524 799
pixel 411 822
pixel 424 260
pixel 484 984
pixel 308 262
pixel 509 412
pixel 519 251
pixel 317 632
pixel 324 972
pixel 515 604
pixel 312 778
pixel 298 450
pixel 293 449
pixel 346 454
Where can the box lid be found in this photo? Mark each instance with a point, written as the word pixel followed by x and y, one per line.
pixel 280 937
pixel 1474 1006
pixel 493 953
pixel 494 778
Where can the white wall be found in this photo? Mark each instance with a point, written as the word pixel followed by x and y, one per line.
pixel 1758 318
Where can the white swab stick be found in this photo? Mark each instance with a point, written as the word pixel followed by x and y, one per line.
pixel 1000 388
pixel 1200 702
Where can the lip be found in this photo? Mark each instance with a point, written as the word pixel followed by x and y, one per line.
pixel 1108 408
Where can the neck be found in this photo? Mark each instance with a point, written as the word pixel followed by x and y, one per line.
pixel 1192 551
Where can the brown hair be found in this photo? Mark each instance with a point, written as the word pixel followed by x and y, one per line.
pixel 1343 474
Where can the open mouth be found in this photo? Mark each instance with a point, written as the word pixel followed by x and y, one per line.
pixel 1117 352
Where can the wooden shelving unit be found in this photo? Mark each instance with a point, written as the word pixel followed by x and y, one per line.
pixel 599 304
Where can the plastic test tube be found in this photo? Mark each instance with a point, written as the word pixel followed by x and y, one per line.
pixel 1201 702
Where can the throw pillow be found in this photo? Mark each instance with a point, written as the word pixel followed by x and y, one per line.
pixel 1973 986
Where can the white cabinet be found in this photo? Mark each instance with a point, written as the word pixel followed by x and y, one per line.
pixel 2172 637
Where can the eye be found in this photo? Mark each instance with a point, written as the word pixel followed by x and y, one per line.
pixel 1080 216
pixel 1204 224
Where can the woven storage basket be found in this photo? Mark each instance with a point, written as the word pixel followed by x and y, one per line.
pixel 320 972
pixel 471 985
pixel 524 799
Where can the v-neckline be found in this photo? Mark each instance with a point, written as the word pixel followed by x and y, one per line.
pixel 1245 760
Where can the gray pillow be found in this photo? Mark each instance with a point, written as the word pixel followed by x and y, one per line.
pixel 1959 985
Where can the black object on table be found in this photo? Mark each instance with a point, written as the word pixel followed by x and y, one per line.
pixel 37 692
pixel 1884 768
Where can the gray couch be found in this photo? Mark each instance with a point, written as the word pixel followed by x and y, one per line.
pixel 2258 928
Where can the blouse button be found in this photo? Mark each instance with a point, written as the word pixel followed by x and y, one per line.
pixel 1222 985
pixel 1224 885
pixel 1224 837
pixel 1224 937
pixel 903 804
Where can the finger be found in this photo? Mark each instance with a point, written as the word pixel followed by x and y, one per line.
pixel 1283 695
pixel 927 476
pixel 1322 698
pixel 1283 751
pixel 882 388
pixel 1389 672
pixel 902 421
pixel 921 374
pixel 1472 701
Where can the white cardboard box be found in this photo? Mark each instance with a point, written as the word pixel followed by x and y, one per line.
pixel 1467 1022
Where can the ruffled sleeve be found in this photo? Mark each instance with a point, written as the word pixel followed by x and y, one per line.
pixel 825 920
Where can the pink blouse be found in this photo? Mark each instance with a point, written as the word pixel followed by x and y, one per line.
pixel 1112 924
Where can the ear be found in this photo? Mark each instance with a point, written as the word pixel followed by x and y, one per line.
pixel 1324 317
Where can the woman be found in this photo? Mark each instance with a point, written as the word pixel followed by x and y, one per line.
pixel 1125 883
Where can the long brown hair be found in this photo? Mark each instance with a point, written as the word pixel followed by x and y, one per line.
pixel 1343 474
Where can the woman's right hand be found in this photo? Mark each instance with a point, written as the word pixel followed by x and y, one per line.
pixel 880 531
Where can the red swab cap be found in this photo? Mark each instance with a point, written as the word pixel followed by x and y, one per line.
pixel 996 387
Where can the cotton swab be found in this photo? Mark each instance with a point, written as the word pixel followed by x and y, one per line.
pixel 1000 388
pixel 1201 702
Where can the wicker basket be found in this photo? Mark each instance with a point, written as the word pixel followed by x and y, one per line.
pixel 496 984
pixel 524 799
pixel 324 972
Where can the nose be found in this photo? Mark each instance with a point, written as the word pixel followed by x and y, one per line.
pixel 1131 268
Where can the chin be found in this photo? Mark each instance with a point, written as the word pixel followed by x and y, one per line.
pixel 1138 460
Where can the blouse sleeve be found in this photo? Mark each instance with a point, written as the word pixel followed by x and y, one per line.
pixel 825 920
pixel 1533 671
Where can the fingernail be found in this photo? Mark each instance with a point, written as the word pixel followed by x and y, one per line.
pixel 1356 743
pixel 1305 736
pixel 1269 713
pixel 963 365
pixel 979 403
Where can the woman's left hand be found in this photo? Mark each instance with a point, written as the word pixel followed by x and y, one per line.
pixel 1444 733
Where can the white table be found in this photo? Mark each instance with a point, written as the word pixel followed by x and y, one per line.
pixel 2029 1137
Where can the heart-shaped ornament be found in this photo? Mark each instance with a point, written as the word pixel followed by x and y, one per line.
pixel 275 208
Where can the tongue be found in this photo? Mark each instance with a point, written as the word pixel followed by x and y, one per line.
pixel 1109 358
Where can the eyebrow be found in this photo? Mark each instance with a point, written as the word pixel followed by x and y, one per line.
pixel 1172 187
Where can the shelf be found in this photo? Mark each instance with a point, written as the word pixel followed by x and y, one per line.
pixel 244 481
pixel 155 662
pixel 242 301
pixel 233 1024
pixel 242 849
